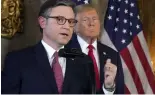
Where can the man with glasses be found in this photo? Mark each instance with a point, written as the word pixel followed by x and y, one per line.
pixel 39 69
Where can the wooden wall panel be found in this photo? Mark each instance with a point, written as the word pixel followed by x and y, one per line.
pixel 147 14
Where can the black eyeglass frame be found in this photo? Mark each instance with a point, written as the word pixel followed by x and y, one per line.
pixel 65 19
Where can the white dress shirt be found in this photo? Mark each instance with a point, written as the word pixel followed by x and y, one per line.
pixel 84 46
pixel 50 51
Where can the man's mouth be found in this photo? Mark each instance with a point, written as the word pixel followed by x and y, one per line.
pixel 107 75
pixel 64 34
pixel 91 30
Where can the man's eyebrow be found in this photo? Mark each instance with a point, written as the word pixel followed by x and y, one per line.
pixel 85 17
pixel 95 17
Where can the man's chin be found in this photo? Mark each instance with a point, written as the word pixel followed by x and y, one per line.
pixel 63 43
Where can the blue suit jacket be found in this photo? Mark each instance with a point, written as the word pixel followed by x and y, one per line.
pixel 28 71
pixel 110 53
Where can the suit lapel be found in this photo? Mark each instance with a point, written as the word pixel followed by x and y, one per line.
pixel 44 64
pixel 68 74
pixel 66 83
pixel 102 59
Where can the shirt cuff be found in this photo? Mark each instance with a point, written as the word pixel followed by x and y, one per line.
pixel 107 92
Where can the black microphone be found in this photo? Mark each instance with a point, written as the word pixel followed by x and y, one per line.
pixel 70 53
pixel 75 52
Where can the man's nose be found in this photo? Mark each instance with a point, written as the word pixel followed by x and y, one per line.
pixel 91 22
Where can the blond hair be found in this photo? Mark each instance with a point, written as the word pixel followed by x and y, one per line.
pixel 83 8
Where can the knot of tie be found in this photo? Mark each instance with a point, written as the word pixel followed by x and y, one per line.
pixel 90 47
pixel 55 55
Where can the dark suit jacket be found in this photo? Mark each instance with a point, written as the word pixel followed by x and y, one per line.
pixel 105 52
pixel 28 71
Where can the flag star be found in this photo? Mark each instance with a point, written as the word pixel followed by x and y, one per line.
pixel 130 23
pixel 132 5
pixel 119 0
pixel 79 0
pixel 125 21
pixel 126 11
pixel 131 33
pixel 117 19
pixel 131 14
pixel 123 41
pixel 112 7
pixel 116 29
pixel 109 17
pixel 124 31
pixel 126 1
pixel 86 1
pixel 138 17
pixel 118 9
pixel 138 26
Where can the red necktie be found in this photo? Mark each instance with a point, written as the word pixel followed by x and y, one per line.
pixel 57 72
pixel 90 53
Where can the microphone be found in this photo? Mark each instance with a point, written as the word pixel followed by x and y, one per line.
pixel 75 52
pixel 70 53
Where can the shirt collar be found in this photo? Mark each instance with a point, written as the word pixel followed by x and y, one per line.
pixel 50 51
pixel 84 44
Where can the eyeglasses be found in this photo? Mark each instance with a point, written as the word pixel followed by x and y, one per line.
pixel 62 20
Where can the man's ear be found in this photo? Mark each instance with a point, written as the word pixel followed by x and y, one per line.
pixel 42 21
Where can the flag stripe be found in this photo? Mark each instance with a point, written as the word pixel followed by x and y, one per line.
pixel 128 79
pixel 139 68
pixel 127 90
pixel 129 62
pixel 144 62
pixel 144 47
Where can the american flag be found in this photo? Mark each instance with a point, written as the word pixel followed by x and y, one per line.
pixel 123 32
